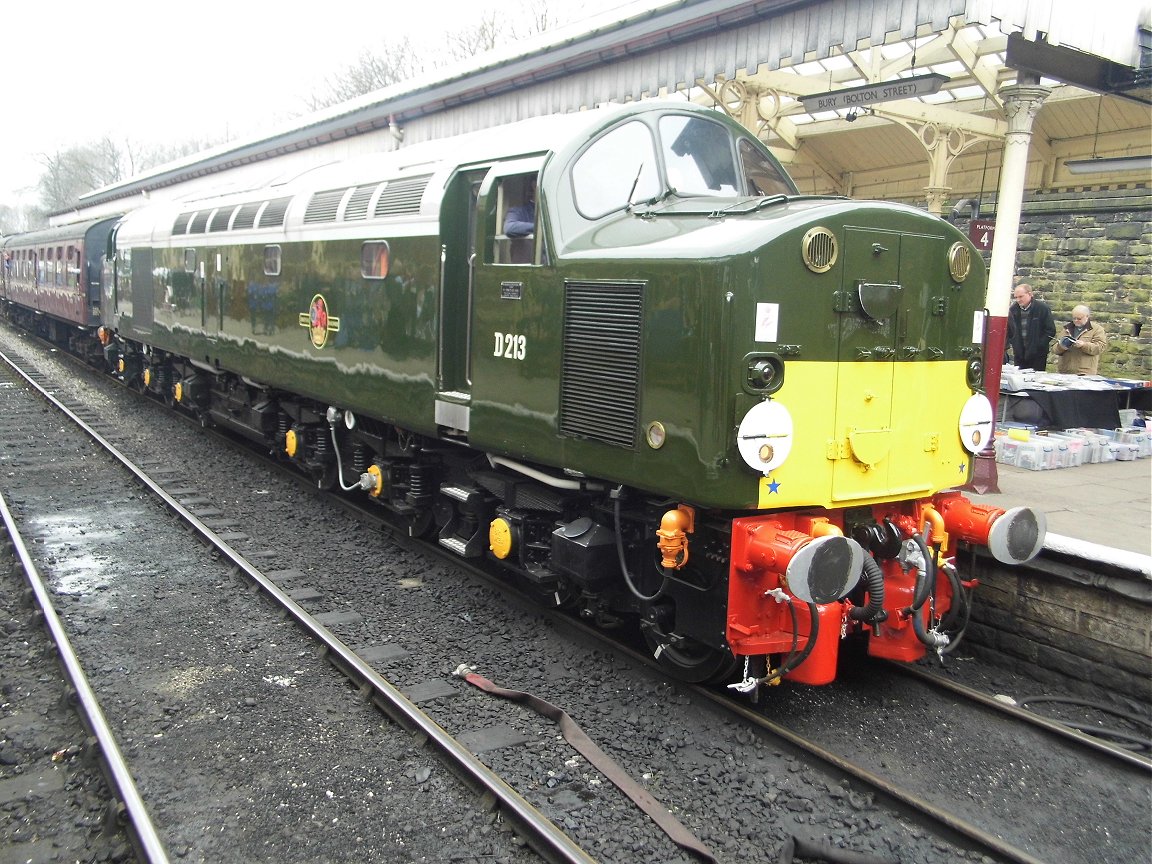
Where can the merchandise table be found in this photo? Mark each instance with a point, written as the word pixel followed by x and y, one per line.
pixel 1063 409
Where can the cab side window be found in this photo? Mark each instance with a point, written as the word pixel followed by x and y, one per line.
pixel 516 240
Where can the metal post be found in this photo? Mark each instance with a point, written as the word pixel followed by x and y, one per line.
pixel 1022 103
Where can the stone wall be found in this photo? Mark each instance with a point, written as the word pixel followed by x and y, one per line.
pixel 1073 622
pixel 1093 246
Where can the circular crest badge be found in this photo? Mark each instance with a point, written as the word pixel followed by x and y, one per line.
pixel 318 321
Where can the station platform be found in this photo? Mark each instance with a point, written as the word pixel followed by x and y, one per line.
pixel 1107 503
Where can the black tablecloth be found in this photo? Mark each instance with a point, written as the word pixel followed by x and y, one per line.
pixel 1064 409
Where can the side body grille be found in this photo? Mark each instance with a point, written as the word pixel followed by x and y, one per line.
pixel 600 364
pixel 323 206
pixel 357 206
pixel 401 197
pixel 274 213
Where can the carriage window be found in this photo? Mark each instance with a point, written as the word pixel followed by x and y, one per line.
pixel 189 260
pixel 761 174
pixel 374 259
pixel 271 260
pixel 617 169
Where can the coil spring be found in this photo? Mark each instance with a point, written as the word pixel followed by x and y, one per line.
pixel 359 458
pixel 321 446
pixel 418 481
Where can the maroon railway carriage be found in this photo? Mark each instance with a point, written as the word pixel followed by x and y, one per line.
pixel 50 281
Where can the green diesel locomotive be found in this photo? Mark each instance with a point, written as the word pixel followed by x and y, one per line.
pixel 614 353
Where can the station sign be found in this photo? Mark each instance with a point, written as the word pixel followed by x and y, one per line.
pixel 982 232
pixel 888 91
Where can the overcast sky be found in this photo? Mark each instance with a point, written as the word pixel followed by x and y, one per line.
pixel 146 72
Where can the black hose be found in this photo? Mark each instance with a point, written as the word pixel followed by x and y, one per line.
pixel 926 579
pixel 874 584
pixel 643 598
pixel 795 639
pixel 816 850
pixel 955 620
pixel 814 631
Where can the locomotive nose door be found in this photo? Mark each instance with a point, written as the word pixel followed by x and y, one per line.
pixel 868 315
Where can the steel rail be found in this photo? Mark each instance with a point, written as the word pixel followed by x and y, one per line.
pixel 958 826
pixel 1055 727
pixel 542 834
pixel 141 827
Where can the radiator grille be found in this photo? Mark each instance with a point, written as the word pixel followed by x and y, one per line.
pixel 274 213
pixel 180 226
pixel 220 219
pixel 600 371
pixel 323 206
pixel 199 222
pixel 246 218
pixel 401 197
pixel 357 206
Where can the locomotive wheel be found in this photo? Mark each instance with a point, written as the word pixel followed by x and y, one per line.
pixel 326 477
pixel 689 660
pixel 419 524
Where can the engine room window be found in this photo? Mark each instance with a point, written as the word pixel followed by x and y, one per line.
pixel 271 260
pixel 374 259
pixel 189 260
pixel 618 169
pixel 761 175
pixel 698 156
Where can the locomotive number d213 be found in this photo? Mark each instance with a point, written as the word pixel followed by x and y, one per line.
pixel 512 346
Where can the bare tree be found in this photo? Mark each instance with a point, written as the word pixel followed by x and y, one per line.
pixel 399 61
pixel 70 173
pixel 483 35
pixel 12 221
pixel 141 157
pixel 396 62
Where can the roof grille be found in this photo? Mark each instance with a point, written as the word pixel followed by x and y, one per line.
pixel 180 226
pixel 357 206
pixel 220 219
pixel 199 222
pixel 402 197
pixel 246 218
pixel 323 206
pixel 600 364
pixel 273 214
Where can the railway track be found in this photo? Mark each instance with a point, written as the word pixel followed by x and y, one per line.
pixel 947 825
pixel 540 833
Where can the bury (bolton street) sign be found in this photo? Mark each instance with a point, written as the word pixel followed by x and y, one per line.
pixel 887 91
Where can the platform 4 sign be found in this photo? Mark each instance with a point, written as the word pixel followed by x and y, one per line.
pixel 982 232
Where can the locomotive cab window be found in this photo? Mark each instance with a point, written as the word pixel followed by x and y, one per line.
pixel 698 156
pixel 761 175
pixel 271 260
pixel 374 259
pixel 615 171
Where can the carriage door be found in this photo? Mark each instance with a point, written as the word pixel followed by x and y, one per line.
pixel 457 272
pixel 867 310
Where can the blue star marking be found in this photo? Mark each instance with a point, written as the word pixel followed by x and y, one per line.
pixel 963 467
pixel 773 486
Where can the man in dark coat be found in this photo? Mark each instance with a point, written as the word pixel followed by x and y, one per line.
pixel 1031 329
